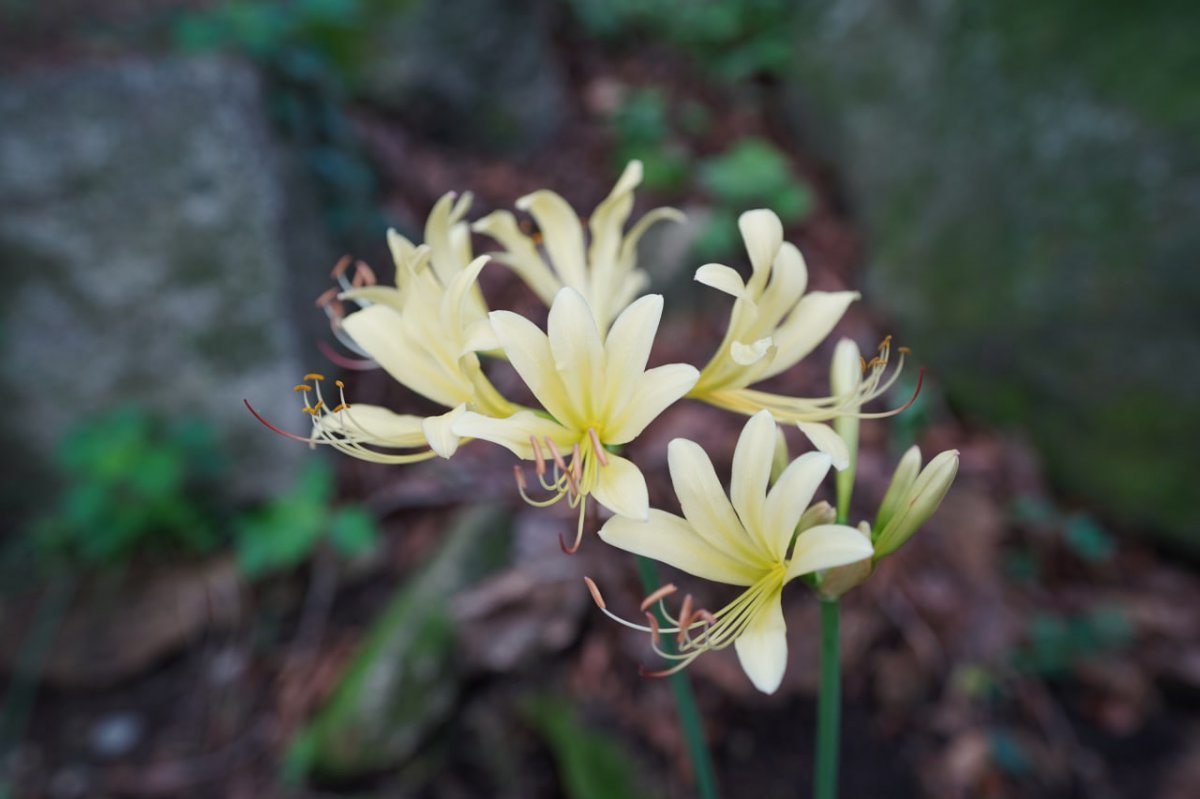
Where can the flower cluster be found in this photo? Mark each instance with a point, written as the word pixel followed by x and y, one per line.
pixel 433 332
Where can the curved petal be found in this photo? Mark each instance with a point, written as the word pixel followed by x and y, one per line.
pixel 621 488
pixel 749 354
pixel 826 546
pixel 521 256
pixel 751 471
pixel 438 431
pixel 374 424
pixel 671 540
pixel 578 353
pixel 652 393
pixel 706 507
pixel 513 433
pixel 762 646
pixel 789 498
pixel 562 234
pixel 528 351
pixel 379 331
pixel 807 326
pixel 721 278
pixel 826 440
pixel 627 346
pixel 763 234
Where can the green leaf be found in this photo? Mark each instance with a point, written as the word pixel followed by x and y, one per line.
pixel 353 532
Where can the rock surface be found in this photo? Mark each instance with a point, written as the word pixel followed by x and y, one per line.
pixel 145 238
pixel 1032 189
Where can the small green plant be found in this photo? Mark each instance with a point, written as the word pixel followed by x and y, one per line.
pixel 284 533
pixel 1056 644
pixel 133 484
pixel 642 129
pixel 753 173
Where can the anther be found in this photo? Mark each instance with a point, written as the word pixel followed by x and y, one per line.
pixel 599 600
pixel 302 387
pixel 597 446
pixel 538 459
pixel 363 275
pixel 340 267
pixel 520 477
pixel 558 458
pixel 341 406
pixel 327 296
pixel 339 384
pixel 904 350
pixel 576 463
pixel 685 619
pixel 653 620
pixel 661 593
pixel 314 376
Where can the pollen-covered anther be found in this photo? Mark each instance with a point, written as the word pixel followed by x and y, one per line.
pixel 660 594
pixel 655 638
pixel 520 478
pixel 302 387
pixel 595 591
pixel 539 459
pixel 314 376
pixel 685 619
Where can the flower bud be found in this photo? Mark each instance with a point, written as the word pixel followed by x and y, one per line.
pixel 845 378
pixel 902 482
pixel 920 502
pixel 840 579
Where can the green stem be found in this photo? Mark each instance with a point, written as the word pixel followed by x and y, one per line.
pixel 685 701
pixel 828 704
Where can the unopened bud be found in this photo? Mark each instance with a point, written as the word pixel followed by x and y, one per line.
pixel 845 378
pixel 922 500
pixel 840 579
pixel 820 513
pixel 902 482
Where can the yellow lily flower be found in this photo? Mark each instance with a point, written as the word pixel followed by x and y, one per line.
pixel 773 325
pixel 605 273
pixel 757 538
pixel 597 392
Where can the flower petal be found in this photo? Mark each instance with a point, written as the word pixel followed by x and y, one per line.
pixel 762 646
pixel 649 396
pixel 826 546
pixel 622 488
pixel 528 351
pixel 562 234
pixel 578 352
pixel 521 256
pixel 627 346
pixel 807 326
pixel 749 354
pixel 763 234
pixel 376 425
pixel 751 471
pixel 826 440
pixel 438 431
pixel 671 540
pixel 722 278
pixel 789 498
pixel 706 507
pixel 380 332
pixel 513 432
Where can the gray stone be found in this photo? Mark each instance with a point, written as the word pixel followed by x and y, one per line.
pixel 1032 195
pixel 471 72
pixel 144 238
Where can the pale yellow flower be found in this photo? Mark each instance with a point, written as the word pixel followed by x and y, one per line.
pixel 757 538
pixel 597 393
pixel 773 325
pixel 603 270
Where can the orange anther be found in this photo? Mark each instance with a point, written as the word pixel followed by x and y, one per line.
pixel 519 476
pixel 650 617
pixel 327 296
pixel 341 406
pixel 302 387
pixel 363 275
pixel 599 600
pixel 661 593
pixel 339 384
pixel 314 376
pixel 597 446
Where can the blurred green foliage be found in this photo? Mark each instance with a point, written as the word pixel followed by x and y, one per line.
pixel 730 40
pixel 591 765
pixel 1055 644
pixel 751 174
pixel 642 129
pixel 134 484
pixel 284 533
pixel 310 51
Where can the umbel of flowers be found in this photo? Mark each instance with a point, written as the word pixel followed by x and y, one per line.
pixel 433 331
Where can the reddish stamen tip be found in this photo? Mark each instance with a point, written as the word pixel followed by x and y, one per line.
pixel 661 593
pixel 327 296
pixel 601 455
pixel 568 550
pixel 272 427
pixel 916 392
pixel 657 675
pixel 360 365
pixel 520 477
pixel 341 266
